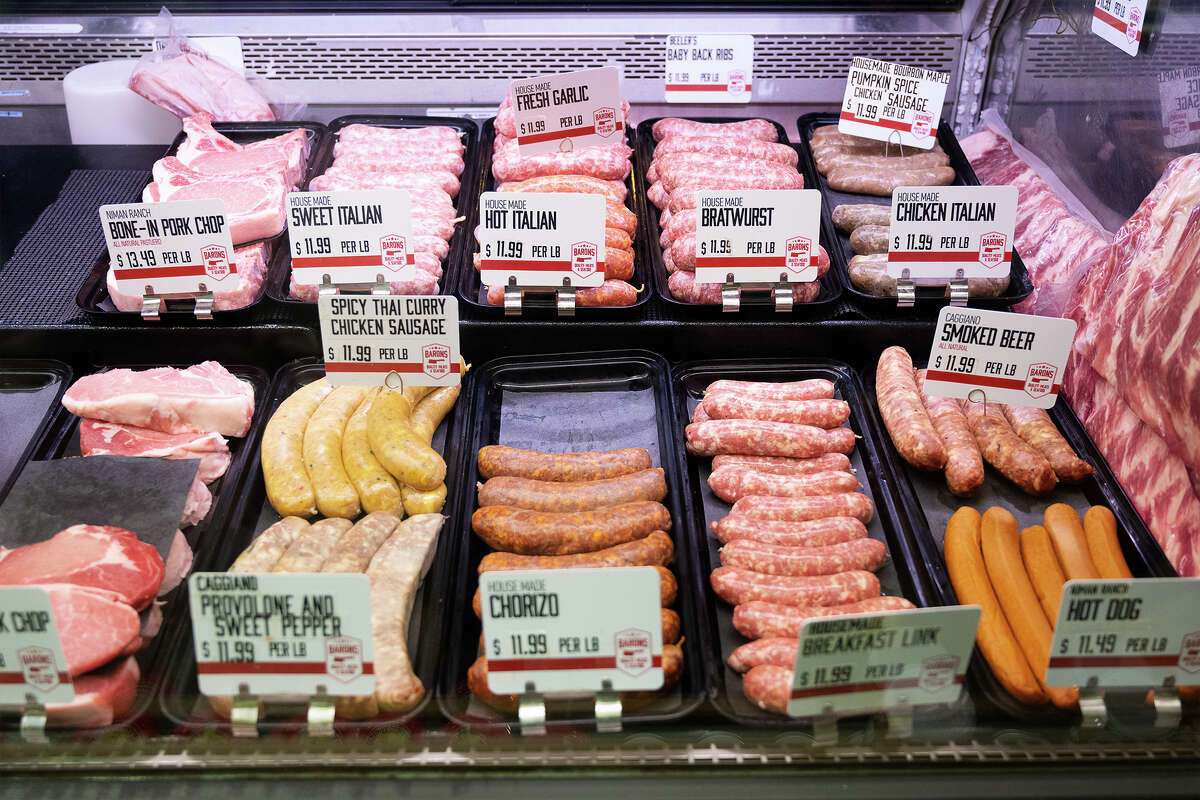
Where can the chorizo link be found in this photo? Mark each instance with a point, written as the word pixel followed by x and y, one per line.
pixel 539 533
pixel 495 460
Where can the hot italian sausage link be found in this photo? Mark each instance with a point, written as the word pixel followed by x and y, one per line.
pixel 772 559
pixel 264 552
pixel 672 630
pixel 1037 429
pixel 1008 452
pixel 779 465
pixel 736 586
pixel 744 129
pixel 733 483
pixel 868 239
pixel 769 687
pixel 810 533
pixel 758 438
pixel 964 464
pixel 538 533
pixel 573 496
pixel 882 184
pixel 610 293
pixel 821 413
pixel 780 652
pixel 723 147
pixel 760 620
pixel 356 547
pixel 497 460
pixel 313 546
pixel 812 389
pixel 848 218
pixel 655 550
pixel 618 264
pixel 903 412
pixel 802 509
pixel 668 587
pixel 575 184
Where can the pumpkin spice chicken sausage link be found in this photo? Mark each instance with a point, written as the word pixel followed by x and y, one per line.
pixel 289 489
pixel 539 533
pixel 495 460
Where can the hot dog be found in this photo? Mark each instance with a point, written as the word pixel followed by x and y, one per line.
pixel 733 483
pixel 495 460
pixel 1007 452
pixel 903 412
pixel 802 509
pixel 759 620
pixel 759 438
pixel 773 559
pixel 573 496
pixel 820 413
pixel 779 465
pixel 1036 428
pixel 1100 530
pixel 736 586
pixel 811 533
pixel 964 463
pixel 540 533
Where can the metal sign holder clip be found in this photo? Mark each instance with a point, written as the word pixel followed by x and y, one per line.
pixel 959 290
pixel 900 720
pixel 512 298
pixel 531 712
pixel 564 299
pixel 33 721
pixel 782 294
pixel 1092 707
pixel 608 709
pixel 152 304
pixel 204 304
pixel 906 290
pixel 731 295
pixel 380 287
pixel 244 716
pixel 327 289
pixel 1168 711
pixel 825 728
pixel 320 713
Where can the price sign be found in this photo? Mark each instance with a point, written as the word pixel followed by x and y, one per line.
pixel 893 103
pixel 757 235
pixel 864 663
pixel 709 67
pixel 32 664
pixel 282 634
pixel 351 236
pixel 568 111
pixel 569 630
pixel 1119 22
pixel 366 338
pixel 1127 633
pixel 1179 99
pixel 938 230
pixel 541 239
pixel 180 247
pixel 1013 358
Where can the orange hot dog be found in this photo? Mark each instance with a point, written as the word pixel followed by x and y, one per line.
pixel 1100 531
pixel 1044 572
pixel 1070 544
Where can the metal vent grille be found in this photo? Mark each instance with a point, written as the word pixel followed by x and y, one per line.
pixel 1051 57
pixel 50 58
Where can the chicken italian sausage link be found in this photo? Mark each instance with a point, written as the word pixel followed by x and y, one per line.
pixel 536 533
pixel 573 496
pixel 497 460
pixel 1008 452
pixel 820 413
pixel 772 559
pixel 757 438
pixel 869 274
pixel 882 184
pixel 736 586
pixel 779 465
pixel 868 239
pixel 1038 430
pixel 803 509
pixel 848 218
pixel 903 412
pixel 733 483
pixel 810 533
pixel 760 620
pixel 964 463
pixel 745 129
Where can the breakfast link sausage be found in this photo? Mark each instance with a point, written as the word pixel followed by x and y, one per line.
pixel 736 586
pixel 759 620
pixel 811 389
pixel 733 483
pixel 780 465
pixel 903 412
pixel 507 490
pixel 541 533
pixel 780 651
pixel 827 413
pixel 802 509
pixel 769 687
pixel 772 559
pixel 654 550
pixel 1007 452
pixel 964 464
pixel 760 438
pixel 811 533
pixel 1036 428
pixel 497 460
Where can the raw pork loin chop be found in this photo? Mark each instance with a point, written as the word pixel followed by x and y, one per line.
pixel 194 81
pixel 98 438
pixel 205 397
pixel 254 202
pixel 210 151
pixel 94 625
pixel 101 697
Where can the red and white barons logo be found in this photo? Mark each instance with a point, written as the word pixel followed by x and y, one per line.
pixel 633 651
pixel 583 258
pixel 1135 24
pixel 39 667
pixel 605 120
pixel 1177 123
pixel 992 247
pixel 343 657
pixel 1189 653
pixel 393 249
pixel 216 261
pixel 435 361
pixel 1040 380
pixel 798 253
pixel 922 125
pixel 937 673
pixel 737 81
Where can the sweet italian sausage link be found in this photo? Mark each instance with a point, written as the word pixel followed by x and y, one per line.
pixel 802 509
pixel 769 687
pixel 772 559
pixel 657 549
pixel 760 620
pixel 736 586
pixel 903 412
pixel 610 293
pixel 313 546
pixel 779 465
pixel 758 438
pixel 722 148
pixel 868 239
pixel 539 533
pixel 1008 452
pixel 495 460
pixel 505 490
pixel 964 464
pixel 848 218
pixel 574 184
pixel 882 184
pixel 744 129
pixel 264 552
pixel 780 652
pixel 811 533
pixel 1037 429
pixel 356 547
pixel 668 587
pixel 733 483
pixel 820 413
pixel 289 488
pixel 811 389
pixel 869 274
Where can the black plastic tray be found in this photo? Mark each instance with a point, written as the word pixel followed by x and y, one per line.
pixel 929 299
pixel 93 294
pixel 180 697
pixel 927 492
pixel 280 273
pixel 635 412
pixel 63 442
pixel 754 304
pixel 542 305
pixel 900 575
pixel 30 390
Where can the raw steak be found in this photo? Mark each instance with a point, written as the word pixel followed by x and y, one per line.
pixel 98 438
pixel 192 81
pixel 94 626
pixel 249 263
pixel 205 397
pixel 254 203
pixel 101 697
pixel 97 556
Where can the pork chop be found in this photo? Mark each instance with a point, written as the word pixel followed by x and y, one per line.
pixel 101 697
pixel 98 438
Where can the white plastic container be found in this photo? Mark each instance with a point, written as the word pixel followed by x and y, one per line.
pixel 101 109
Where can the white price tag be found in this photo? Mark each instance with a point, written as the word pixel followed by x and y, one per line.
pixel 1017 359
pixel 569 630
pixel 282 634
pixel 1119 22
pixel 864 663
pixel 179 247
pixel 542 238
pixel 758 235
pixel 1127 633
pixel 1179 99
pixel 32 664
pixel 709 67
pixel 893 103
pixel 367 337
pixel 351 236
pixel 568 111
pixel 935 231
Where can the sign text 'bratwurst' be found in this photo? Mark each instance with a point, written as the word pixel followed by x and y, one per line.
pixel 757 236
